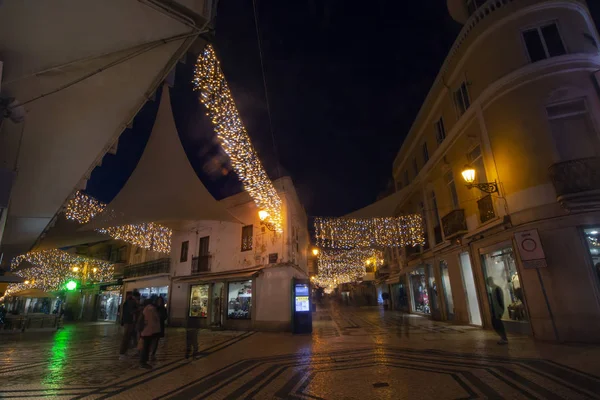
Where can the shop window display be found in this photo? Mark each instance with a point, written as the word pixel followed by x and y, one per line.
pixel 432 286
pixel 445 275
pixel 592 237
pixel 239 304
pixel 500 269
pixel 108 305
pixel 199 301
pixel 159 291
pixel 419 290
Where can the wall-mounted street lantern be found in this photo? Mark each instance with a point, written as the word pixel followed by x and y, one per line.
pixel 315 251
pixel 468 175
pixel 263 215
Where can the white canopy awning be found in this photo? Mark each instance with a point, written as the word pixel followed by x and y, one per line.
pixel 164 187
pixel 82 70
pixel 386 207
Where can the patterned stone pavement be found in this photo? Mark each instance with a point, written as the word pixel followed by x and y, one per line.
pixel 352 354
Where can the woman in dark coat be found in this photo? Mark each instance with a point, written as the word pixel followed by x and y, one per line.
pixel 163 315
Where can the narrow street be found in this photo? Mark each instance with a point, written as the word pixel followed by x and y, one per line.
pixel 354 353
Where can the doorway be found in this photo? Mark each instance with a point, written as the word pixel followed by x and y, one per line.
pixel 470 290
pixel 447 290
pixel 216 314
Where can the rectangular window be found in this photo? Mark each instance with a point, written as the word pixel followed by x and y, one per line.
pixel 424 216
pixel 461 99
pixel 239 304
pixel 504 290
pixel 449 178
pixel 592 238
pixel 415 167
pixel 440 131
pixel 437 229
pixel 184 251
pixel 543 42
pixel 406 178
pixel 425 153
pixel 476 160
pixel 247 237
pixel 203 248
pixel 572 130
pixel 199 301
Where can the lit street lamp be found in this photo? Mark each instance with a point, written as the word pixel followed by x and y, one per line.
pixel 468 175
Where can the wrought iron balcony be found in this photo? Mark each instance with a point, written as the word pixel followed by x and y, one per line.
pixel 577 182
pixel 160 266
pixel 486 208
pixel 454 223
pixel 201 264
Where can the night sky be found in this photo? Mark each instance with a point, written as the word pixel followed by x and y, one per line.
pixel 345 81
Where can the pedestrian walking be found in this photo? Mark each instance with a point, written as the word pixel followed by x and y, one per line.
pixel 128 316
pixel 149 326
pixel 162 315
pixel 191 342
pixel 497 308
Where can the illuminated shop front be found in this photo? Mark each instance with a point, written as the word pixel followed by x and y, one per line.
pixel 420 294
pixel 239 305
pixel 500 270
pixel 252 299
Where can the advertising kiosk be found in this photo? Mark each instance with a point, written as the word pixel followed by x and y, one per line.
pixel 301 313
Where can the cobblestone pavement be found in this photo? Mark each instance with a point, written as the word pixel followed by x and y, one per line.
pixel 352 354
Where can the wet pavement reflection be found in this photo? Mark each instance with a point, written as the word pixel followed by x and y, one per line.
pixel 353 353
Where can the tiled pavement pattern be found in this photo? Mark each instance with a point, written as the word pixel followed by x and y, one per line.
pixel 353 354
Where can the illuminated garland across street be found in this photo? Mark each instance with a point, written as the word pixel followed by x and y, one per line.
pixel 53 268
pixel 216 96
pixel 344 266
pixel 82 208
pixel 348 233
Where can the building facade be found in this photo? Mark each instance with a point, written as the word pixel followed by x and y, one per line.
pixel 517 102
pixel 239 275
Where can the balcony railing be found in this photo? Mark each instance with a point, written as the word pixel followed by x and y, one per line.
pixel 454 223
pixel 200 264
pixel 577 182
pixel 160 266
pixel 486 208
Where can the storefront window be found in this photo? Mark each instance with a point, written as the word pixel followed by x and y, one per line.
pixel 159 291
pixel 445 276
pixel 592 237
pixel 199 301
pixel 108 305
pixel 240 300
pixel 500 270
pixel 432 287
pixel 419 291
pixel 400 295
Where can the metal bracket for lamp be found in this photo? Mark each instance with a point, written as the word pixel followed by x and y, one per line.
pixel 487 187
pixel 268 225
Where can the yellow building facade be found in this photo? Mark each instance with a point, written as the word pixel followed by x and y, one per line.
pixel 517 101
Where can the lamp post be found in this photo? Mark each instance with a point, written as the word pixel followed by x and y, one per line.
pixel 468 175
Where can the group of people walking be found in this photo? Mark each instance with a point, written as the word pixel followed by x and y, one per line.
pixel 143 326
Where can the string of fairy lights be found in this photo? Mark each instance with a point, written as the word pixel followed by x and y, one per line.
pixel 348 233
pixel 151 236
pixel 350 244
pixel 343 266
pixel 51 269
pixel 216 96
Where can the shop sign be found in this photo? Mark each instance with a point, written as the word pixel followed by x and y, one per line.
pixel 530 249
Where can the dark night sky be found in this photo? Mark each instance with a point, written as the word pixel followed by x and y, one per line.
pixel 345 81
